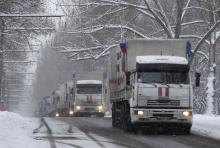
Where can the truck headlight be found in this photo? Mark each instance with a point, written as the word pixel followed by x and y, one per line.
pixel 140 113
pixel 71 112
pixel 57 114
pixel 187 113
pixel 100 107
pixel 78 107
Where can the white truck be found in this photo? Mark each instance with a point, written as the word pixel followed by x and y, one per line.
pixel 62 103
pixel 88 98
pixel 150 86
pixel 89 94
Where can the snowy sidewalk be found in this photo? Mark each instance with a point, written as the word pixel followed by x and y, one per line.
pixel 17 131
pixel 205 125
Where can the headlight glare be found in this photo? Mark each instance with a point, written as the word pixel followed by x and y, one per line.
pixel 187 113
pixel 140 113
pixel 78 107
pixel 71 112
pixel 100 107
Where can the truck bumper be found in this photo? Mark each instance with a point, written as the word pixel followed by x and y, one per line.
pixel 86 114
pixel 88 111
pixel 141 116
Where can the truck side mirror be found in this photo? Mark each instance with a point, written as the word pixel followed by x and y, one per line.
pixel 197 75
pixel 128 74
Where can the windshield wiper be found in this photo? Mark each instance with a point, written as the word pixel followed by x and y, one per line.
pixel 181 85
pixel 154 84
pixel 165 84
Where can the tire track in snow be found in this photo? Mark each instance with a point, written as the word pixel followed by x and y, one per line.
pixel 95 140
pixel 49 133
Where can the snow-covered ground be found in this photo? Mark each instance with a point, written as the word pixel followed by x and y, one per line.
pixel 17 132
pixel 206 125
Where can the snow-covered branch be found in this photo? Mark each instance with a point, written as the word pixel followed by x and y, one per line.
pixel 184 10
pixel 164 17
pixel 122 3
pixel 199 8
pixel 203 54
pixel 69 49
pixel 163 25
pixel 195 22
pixel 109 26
pixel 106 50
pixel 103 15
pixel 89 4
pixel 205 36
pixel 89 57
pixel 195 37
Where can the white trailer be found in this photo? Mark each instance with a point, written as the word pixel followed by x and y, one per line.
pixel 63 100
pixel 149 84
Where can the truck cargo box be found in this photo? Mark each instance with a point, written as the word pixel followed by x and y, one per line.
pixel 140 47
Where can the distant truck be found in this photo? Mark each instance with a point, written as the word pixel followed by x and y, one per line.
pixel 63 100
pixel 88 98
pixel 150 86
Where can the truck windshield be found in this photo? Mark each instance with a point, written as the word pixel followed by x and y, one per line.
pixel 164 77
pixel 89 88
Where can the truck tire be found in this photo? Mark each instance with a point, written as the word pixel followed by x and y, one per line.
pixel 186 129
pixel 127 126
pixel 113 115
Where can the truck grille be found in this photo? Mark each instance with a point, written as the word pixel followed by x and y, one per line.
pixel 89 103
pixel 163 103
pixel 89 109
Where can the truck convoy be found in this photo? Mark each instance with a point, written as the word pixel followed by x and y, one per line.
pixel 75 98
pixel 63 100
pixel 150 86
pixel 59 103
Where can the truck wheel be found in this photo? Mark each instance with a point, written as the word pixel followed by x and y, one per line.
pixel 187 129
pixel 127 125
pixel 113 115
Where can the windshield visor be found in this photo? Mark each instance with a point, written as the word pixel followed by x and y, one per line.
pixel 89 88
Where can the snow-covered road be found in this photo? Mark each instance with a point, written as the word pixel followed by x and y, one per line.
pixel 102 127
pixel 17 132
pixel 66 136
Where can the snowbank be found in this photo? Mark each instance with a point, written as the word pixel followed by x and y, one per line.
pixel 206 125
pixel 16 131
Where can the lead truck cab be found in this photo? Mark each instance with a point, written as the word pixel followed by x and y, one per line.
pixel 161 91
pixel 150 85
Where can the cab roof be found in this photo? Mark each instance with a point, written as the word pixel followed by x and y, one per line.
pixel 161 60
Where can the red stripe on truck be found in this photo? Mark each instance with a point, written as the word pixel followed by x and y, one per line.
pixel 167 92
pixel 159 91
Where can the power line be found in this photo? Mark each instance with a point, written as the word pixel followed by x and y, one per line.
pixel 31 15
